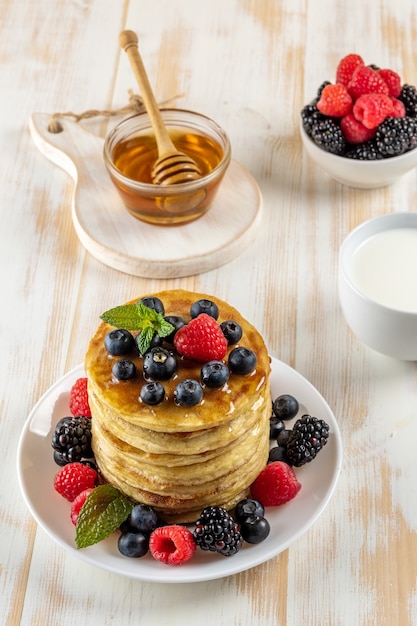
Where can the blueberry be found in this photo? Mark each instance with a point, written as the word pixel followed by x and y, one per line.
pixel 133 545
pixel 143 519
pixel 152 393
pixel 188 392
pixel 153 303
pixel 215 374
pixel 248 508
pixel 124 369
pixel 204 306
pixel 283 437
pixel 119 342
pixel 177 322
pixel 242 360
pixel 159 364
pixel 278 453
pixel 60 459
pixel 285 407
pixel 156 342
pixel 232 331
pixel 275 427
pixel 255 529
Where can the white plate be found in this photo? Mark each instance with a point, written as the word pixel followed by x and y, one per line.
pixel 36 469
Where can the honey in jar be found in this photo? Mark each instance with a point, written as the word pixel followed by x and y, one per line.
pixel 130 157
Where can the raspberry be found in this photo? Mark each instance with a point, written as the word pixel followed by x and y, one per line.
pixel 276 484
pixel 202 339
pixel 173 545
pixel 78 403
pixel 335 101
pixel 372 109
pixel 354 131
pixel 346 67
pixel 365 80
pixel 77 504
pixel 392 80
pixel 73 478
pixel 398 108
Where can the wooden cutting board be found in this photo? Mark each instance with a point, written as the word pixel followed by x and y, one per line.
pixel 120 241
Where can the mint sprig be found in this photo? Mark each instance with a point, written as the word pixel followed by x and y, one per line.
pixel 102 512
pixel 139 317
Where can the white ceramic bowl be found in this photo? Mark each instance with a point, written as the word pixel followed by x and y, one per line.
pixel 388 330
pixel 361 174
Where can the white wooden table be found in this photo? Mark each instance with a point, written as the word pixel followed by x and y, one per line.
pixel 251 66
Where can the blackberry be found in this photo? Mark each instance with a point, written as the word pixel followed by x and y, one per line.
pixel 307 438
pixel 71 439
pixel 396 135
pixel 328 136
pixel 310 115
pixel 367 151
pixel 217 531
pixel 408 97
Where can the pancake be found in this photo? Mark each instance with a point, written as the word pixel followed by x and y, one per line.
pixel 180 459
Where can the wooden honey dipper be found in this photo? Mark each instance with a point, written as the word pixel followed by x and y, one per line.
pixel 172 166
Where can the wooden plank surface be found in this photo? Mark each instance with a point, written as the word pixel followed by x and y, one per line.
pixel 251 66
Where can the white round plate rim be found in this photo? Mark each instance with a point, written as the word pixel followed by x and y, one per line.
pixel 288 522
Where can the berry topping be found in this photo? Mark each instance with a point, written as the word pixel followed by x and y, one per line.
pixel 346 68
pixel 232 331
pixel 307 438
pixel 354 131
pixel 188 392
pixel 177 323
pixel 275 427
pixel 71 439
pixel 366 80
pixel 217 531
pixel 396 136
pixel 78 403
pixel 335 101
pixel 124 369
pixel 327 134
pixel 201 339
pixel 172 544
pixel 278 453
pixel 204 306
pixel 255 529
pixel 408 97
pixel 275 485
pixel 248 508
pixel 285 407
pixel 74 478
pixel 133 544
pixel 371 109
pixel 242 360
pixel 119 342
pixel 142 318
pixel 159 364
pixel 152 393
pixel 78 503
pixel 143 519
pixel 392 80
pixel 215 374
pixel 153 303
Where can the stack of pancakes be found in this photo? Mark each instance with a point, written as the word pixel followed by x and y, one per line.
pixel 181 459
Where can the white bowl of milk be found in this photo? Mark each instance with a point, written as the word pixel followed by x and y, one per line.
pixel 378 284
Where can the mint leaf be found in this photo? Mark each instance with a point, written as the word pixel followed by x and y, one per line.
pixel 139 317
pixel 124 316
pixel 103 511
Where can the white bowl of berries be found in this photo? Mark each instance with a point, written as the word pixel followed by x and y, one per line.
pixel 362 129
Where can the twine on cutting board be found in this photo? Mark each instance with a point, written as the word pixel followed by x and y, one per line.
pixel 135 105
